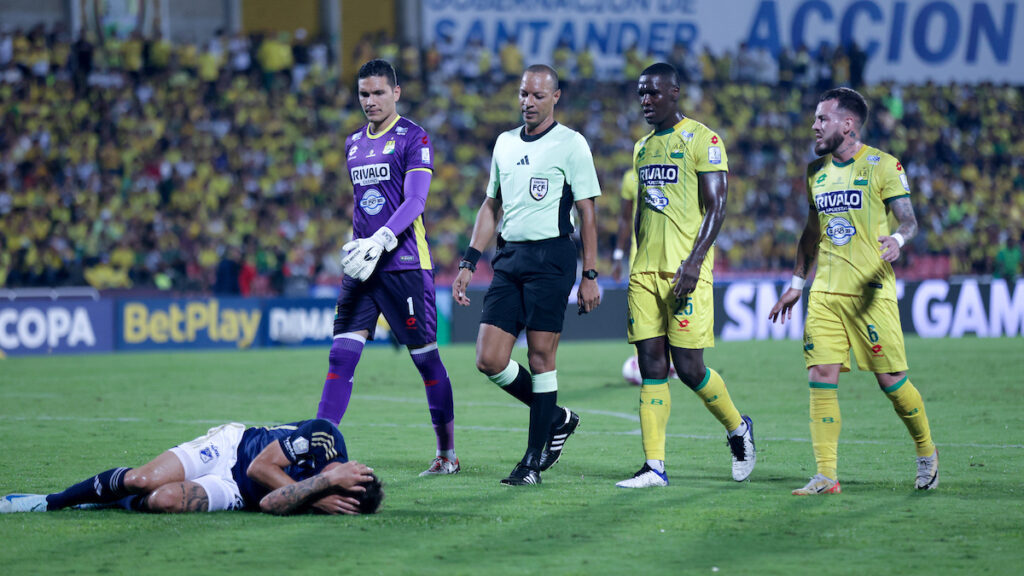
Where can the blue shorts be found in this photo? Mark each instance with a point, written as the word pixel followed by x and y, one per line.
pixel 405 298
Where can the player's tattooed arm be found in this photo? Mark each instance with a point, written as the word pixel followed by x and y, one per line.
pixel 904 212
pixel 294 497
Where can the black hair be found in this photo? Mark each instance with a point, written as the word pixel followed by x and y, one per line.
pixel 371 498
pixel 850 100
pixel 379 67
pixel 544 69
pixel 663 69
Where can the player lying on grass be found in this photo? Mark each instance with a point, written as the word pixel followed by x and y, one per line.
pixel 288 469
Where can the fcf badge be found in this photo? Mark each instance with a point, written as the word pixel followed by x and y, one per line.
pixel 538 188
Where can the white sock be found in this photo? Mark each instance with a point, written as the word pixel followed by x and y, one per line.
pixel 657 465
pixel 739 431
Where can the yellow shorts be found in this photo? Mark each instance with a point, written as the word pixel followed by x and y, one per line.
pixel 655 311
pixel 837 322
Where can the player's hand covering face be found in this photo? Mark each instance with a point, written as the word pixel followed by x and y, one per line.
pixel 658 99
pixel 378 98
pixel 537 99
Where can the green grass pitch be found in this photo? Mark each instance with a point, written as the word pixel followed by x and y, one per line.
pixel 63 419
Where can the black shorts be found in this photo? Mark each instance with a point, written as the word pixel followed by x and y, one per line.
pixel 531 285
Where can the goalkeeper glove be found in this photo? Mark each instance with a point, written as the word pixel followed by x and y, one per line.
pixel 364 253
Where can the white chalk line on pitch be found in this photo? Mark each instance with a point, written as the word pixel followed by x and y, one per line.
pixel 636 432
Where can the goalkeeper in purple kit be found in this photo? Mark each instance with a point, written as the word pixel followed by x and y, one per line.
pixel 387 266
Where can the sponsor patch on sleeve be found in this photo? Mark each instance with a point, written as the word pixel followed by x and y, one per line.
pixel 714 155
pixel 425 155
pixel 903 180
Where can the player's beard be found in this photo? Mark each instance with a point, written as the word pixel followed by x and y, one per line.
pixel 828 145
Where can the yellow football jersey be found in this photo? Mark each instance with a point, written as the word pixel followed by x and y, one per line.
pixel 667 164
pixel 850 199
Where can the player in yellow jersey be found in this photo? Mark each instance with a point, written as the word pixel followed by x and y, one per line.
pixel 682 172
pixel 852 302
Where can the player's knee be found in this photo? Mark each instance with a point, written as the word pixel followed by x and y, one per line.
pixel 653 367
pixel 139 481
pixel 691 375
pixel 541 361
pixel 166 499
pixel 489 366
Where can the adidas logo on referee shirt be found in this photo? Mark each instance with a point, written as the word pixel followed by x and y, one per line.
pixel 524 162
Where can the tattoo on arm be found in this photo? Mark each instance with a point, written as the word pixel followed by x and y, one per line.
pixel 293 497
pixel 904 212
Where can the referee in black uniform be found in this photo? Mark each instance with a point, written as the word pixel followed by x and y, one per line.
pixel 538 172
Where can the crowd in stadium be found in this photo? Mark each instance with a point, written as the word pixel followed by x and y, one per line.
pixel 217 168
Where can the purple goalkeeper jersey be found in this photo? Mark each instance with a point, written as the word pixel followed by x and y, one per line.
pixel 377 165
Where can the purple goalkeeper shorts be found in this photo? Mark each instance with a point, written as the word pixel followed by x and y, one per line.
pixel 404 297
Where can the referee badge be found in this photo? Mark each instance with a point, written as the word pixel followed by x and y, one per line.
pixel 538 188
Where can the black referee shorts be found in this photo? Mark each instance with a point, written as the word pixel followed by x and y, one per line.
pixel 531 285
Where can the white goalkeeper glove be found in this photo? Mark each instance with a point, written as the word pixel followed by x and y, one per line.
pixel 364 253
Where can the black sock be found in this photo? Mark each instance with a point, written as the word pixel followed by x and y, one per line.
pixel 135 503
pixel 521 387
pixel 542 410
pixel 100 489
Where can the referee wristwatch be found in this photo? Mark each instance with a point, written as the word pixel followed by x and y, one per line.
pixel 466 264
pixel 590 274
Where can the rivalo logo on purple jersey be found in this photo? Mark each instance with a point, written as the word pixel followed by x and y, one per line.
pixel 370 174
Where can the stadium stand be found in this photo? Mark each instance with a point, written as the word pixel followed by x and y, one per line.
pixel 142 163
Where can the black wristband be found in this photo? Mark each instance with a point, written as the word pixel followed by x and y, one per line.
pixel 472 256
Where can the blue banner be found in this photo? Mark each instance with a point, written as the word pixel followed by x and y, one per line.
pixel 302 321
pixel 155 324
pixel 905 40
pixel 56 327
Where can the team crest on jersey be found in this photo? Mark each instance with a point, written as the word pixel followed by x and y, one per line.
pixel 209 453
pixel 839 201
pixel 372 202
pixel 677 153
pixel 840 231
pixel 538 188
pixel 658 174
pixel 370 174
pixel 656 199
pixel 389 147
pixel 862 178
